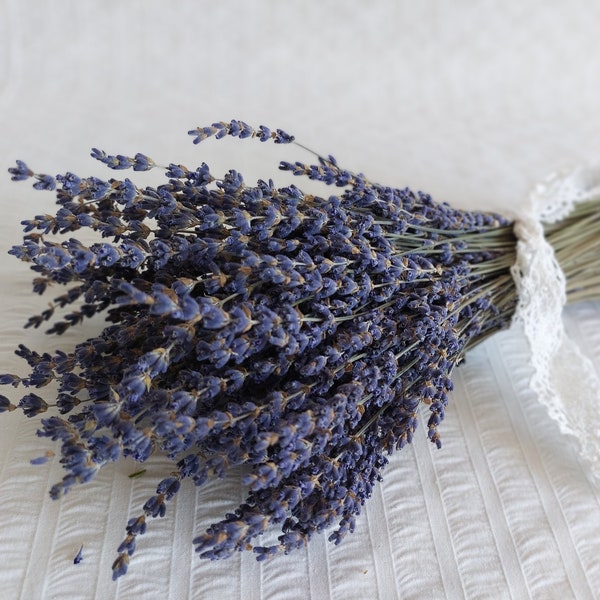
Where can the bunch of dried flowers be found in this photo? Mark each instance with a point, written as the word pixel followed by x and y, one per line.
pixel 264 326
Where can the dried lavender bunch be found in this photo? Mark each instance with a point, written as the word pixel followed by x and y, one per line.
pixel 257 325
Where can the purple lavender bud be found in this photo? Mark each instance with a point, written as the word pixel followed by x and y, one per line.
pixel 20 172
pixel 142 163
pixel 132 255
pixel 32 405
pixel 168 487
pixel 9 379
pixel 264 133
pixel 127 545
pixel 106 254
pixel 119 567
pixel 114 162
pixel 6 405
pixel 136 526
pixel 281 137
pixel 177 171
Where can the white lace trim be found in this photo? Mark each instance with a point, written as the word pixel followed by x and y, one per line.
pixel 564 380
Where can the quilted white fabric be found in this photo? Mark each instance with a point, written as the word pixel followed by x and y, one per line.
pixel 471 101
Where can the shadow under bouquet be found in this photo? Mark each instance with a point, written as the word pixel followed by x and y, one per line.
pixel 248 324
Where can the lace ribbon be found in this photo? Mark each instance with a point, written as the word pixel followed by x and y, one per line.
pixel 564 380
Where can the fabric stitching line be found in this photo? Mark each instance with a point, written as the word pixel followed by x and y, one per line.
pixel 477 476
pixel 389 541
pixel 534 479
pixel 446 520
pixel 375 563
pixel 328 562
pixel 524 455
pixel 427 503
pixel 38 530
pixel 492 473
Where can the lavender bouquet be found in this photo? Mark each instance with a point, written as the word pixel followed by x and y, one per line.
pixel 255 325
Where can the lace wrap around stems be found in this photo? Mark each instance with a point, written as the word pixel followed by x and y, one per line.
pixel 565 380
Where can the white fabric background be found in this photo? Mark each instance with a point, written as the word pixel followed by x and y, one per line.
pixel 472 101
